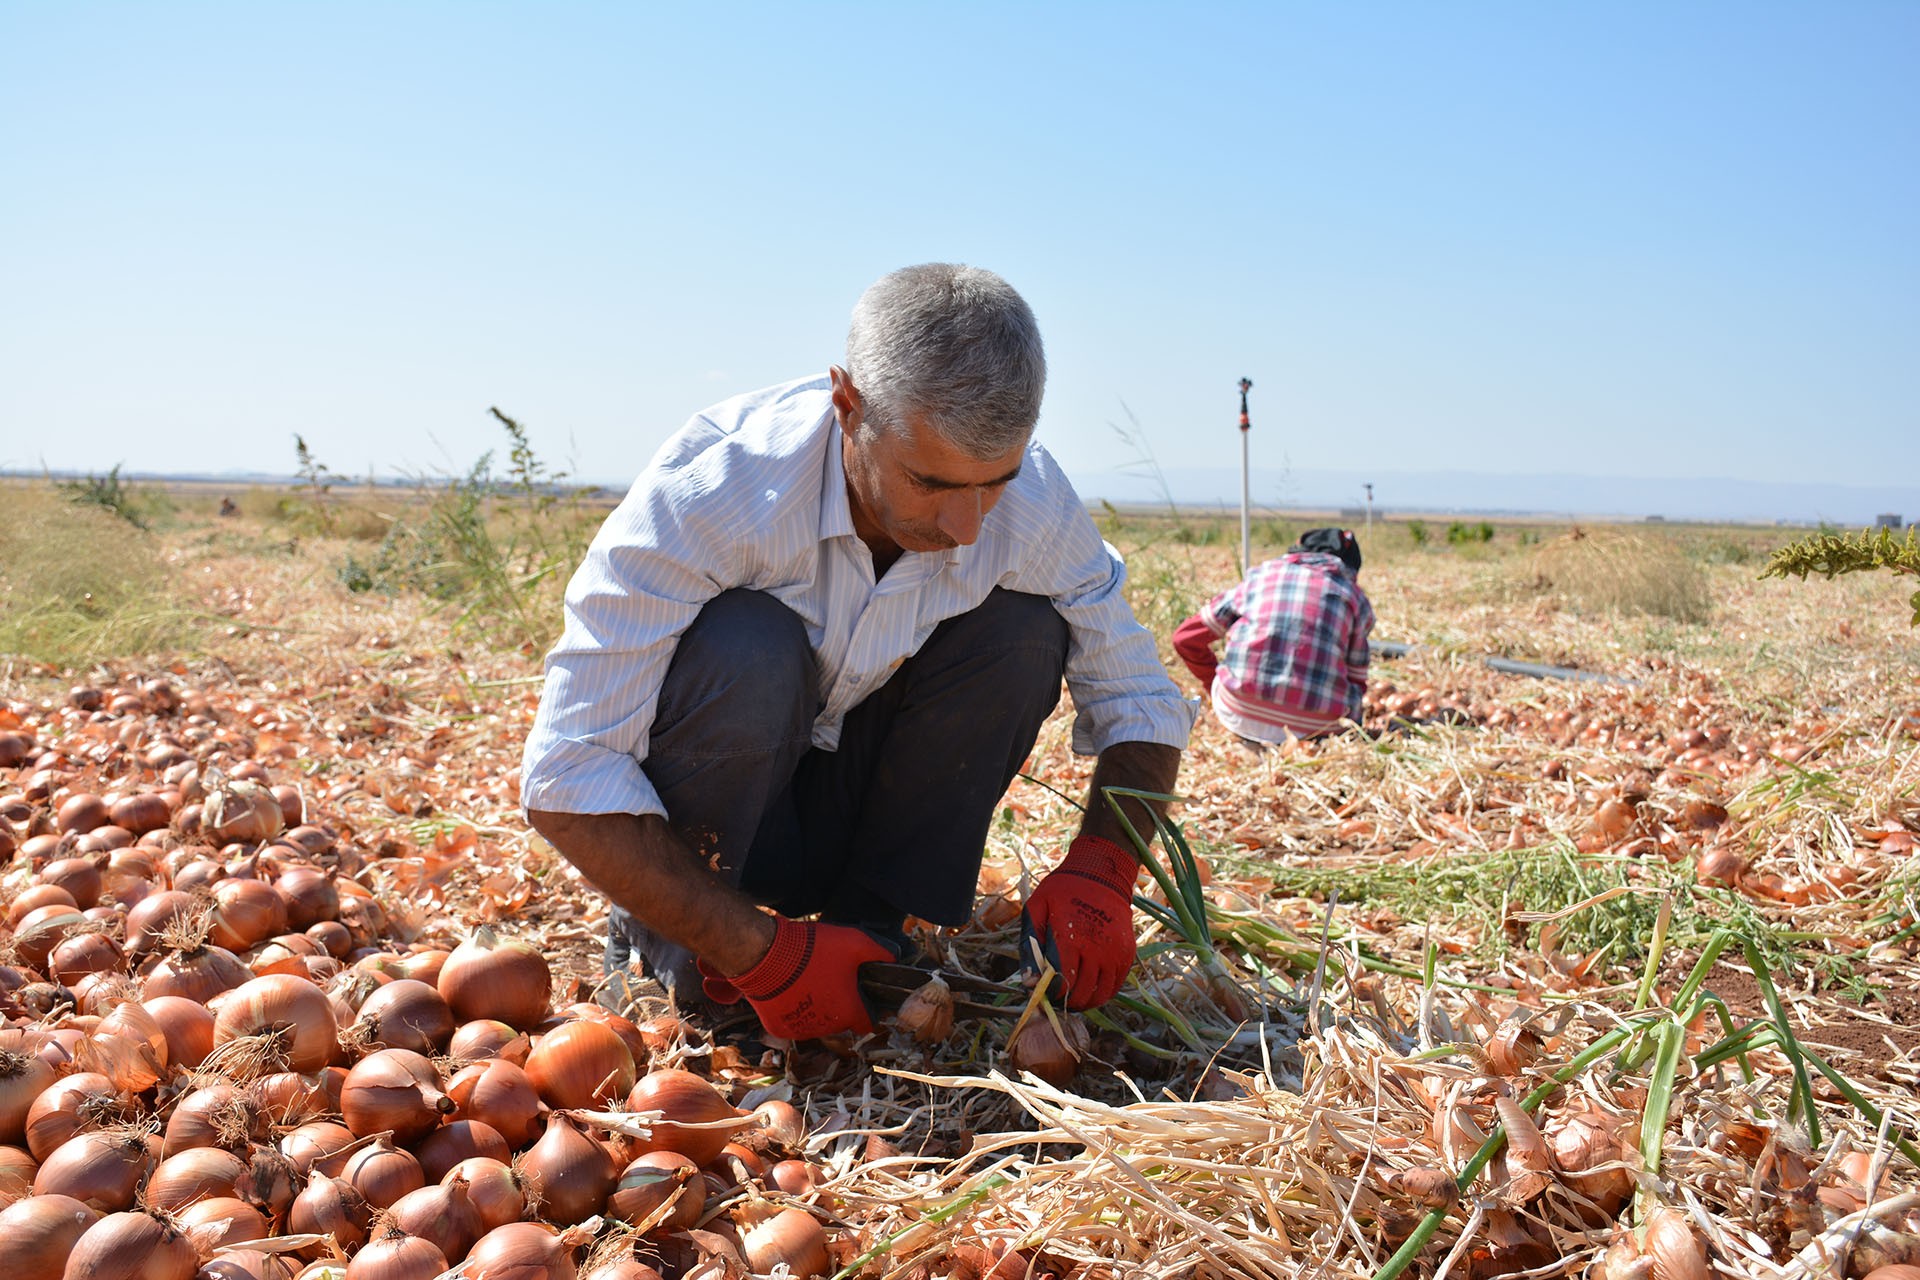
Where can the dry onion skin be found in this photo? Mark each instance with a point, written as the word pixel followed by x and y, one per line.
pixel 498 1094
pixel 1585 1153
pixel 568 1171
pixel 330 1206
pixel 394 1091
pixel 496 1191
pixel 790 1237
pixel 579 1065
pixel 290 1017
pixel 397 1256
pixel 660 1189
pixel 927 1012
pixel 684 1101
pixel 1037 1048
pixel 405 1014
pixel 23 1078
pixel 133 1246
pixel 456 1142
pixel 502 979
pixel 526 1251
pixel 103 1169
pixel 442 1214
pixel 38 1233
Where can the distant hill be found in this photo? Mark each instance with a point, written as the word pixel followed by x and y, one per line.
pixel 1629 497
pixel 1458 492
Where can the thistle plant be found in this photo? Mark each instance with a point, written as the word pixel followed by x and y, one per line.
pixel 1831 554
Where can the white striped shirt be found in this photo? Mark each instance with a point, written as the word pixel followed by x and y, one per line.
pixel 752 493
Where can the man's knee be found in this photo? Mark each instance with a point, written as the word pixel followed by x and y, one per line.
pixel 1009 653
pixel 1013 621
pixel 743 670
pixel 1023 635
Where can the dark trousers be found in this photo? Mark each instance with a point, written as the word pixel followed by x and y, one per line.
pixel 893 822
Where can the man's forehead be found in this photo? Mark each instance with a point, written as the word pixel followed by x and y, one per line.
pixel 992 472
pixel 927 455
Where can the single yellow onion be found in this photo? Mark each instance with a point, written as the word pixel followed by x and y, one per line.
pixel 791 1236
pixel 927 1014
pixel 1039 1050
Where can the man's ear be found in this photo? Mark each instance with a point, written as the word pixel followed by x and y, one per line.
pixel 847 405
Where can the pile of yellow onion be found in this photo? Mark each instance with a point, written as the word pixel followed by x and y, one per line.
pixel 210 1043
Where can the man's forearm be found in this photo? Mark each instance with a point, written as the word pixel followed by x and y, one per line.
pixel 1140 766
pixel 640 864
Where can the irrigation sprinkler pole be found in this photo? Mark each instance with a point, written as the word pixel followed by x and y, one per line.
pixel 1246 486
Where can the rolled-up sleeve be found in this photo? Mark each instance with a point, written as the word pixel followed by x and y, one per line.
pixel 1121 691
pixel 648 573
pixel 1225 609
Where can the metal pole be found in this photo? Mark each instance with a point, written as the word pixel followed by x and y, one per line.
pixel 1246 489
pixel 1369 489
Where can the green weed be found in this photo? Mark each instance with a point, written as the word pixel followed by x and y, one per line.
pixel 1487 894
pixel 1461 534
pixel 502 548
pixel 107 493
pixel 1831 553
pixel 317 480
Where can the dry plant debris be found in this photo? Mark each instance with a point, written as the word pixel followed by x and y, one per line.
pixel 1449 970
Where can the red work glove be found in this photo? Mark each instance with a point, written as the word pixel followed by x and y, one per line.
pixel 807 984
pixel 1082 915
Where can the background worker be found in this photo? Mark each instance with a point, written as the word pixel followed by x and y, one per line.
pixel 807 654
pixel 1296 635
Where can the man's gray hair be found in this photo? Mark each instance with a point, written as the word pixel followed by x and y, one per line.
pixel 951 345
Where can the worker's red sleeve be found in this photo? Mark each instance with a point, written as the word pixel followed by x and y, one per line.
pixel 1193 641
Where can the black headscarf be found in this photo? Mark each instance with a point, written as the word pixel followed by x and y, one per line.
pixel 1333 542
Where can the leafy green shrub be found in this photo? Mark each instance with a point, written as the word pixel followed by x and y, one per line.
pixel 1417 530
pixel 502 547
pixel 1460 535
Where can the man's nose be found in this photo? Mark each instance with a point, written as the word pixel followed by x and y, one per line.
pixel 959 516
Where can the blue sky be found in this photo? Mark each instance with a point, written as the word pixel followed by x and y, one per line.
pixel 1619 239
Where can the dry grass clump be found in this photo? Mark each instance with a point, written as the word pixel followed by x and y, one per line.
pixel 356 517
pixel 360 522
pixel 1612 571
pixel 78 583
pixel 264 503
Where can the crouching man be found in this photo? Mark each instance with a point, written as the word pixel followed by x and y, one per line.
pixel 1296 632
pixel 805 657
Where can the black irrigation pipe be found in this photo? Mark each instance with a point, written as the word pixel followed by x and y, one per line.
pixel 1540 670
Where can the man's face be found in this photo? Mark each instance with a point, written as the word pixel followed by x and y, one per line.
pixel 909 487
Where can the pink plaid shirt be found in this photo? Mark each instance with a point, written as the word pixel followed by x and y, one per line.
pixel 1296 653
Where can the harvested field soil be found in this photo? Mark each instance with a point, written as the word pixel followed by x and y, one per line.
pixel 1418 1002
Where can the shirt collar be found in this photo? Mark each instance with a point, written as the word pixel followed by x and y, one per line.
pixel 836 516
